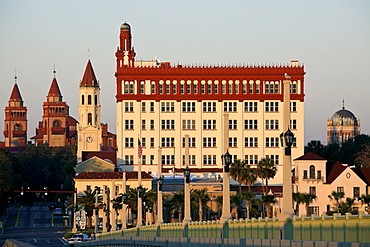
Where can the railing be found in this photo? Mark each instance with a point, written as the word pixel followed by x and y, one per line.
pixel 339 228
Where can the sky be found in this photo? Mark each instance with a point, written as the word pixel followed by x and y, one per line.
pixel 331 38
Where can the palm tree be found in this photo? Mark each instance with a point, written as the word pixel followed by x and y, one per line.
pixel 248 176
pixel 235 172
pixel 177 203
pixel 268 200
pixel 336 196
pixel 347 205
pixel 365 199
pixel 201 197
pixel 219 201
pixel 248 196
pixel 86 201
pixel 266 169
pixel 307 199
pixel 298 199
pixel 236 201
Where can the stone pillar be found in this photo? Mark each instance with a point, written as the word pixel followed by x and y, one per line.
pixel 74 229
pixel 187 207
pixel 139 198
pixel 159 190
pixel 226 215
pixel 112 210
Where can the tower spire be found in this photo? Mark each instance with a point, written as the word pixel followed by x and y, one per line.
pixel 343 105
pixel 54 71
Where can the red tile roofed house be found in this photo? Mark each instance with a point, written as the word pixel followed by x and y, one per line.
pixel 113 181
pixel 315 175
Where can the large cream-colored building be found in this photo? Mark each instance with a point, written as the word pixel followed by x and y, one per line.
pixel 160 103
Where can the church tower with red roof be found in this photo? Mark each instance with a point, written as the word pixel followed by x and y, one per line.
pixel 57 128
pixel 15 126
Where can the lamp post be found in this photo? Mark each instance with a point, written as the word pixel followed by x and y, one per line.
pixel 97 192
pixel 226 161
pixel 106 223
pixel 187 217
pixel 286 140
pixel 159 188
pixel 139 206
pixel 124 197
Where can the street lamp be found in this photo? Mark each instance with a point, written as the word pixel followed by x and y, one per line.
pixel 140 191
pixel 289 138
pixel 226 161
pixel 97 192
pixel 160 183
pixel 187 174
pixel 187 217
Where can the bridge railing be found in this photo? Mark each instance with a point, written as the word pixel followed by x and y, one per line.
pixel 339 228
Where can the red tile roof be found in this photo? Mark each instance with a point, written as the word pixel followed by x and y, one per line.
pixel 112 175
pixel 363 173
pixel 16 95
pixel 310 156
pixel 333 170
pixel 54 89
pixel 110 155
pixel 89 78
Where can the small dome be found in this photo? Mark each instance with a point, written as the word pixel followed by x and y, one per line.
pixel 344 117
pixel 125 26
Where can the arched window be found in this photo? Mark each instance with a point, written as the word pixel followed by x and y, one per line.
pixel 89 99
pixel 89 118
pixel 110 142
pixel 56 124
pixel 17 127
pixel 312 171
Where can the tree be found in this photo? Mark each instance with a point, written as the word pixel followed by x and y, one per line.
pixel 298 199
pixel 86 201
pixel 6 177
pixel 248 176
pixel 266 169
pixel 201 197
pixel 268 200
pixel 315 147
pixel 336 196
pixel 307 199
pixel 248 196
pixel 363 157
pixel 347 205
pixel 236 201
pixel 365 199
pixel 177 203
pixel 235 172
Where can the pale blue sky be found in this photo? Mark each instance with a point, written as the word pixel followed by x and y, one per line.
pixel 331 38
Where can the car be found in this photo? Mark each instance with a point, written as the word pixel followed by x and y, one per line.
pixel 78 238
pixel 58 211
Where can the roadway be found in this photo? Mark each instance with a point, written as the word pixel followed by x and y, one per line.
pixel 34 225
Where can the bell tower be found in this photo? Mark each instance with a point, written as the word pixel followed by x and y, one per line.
pixel 89 127
pixel 15 124
pixel 125 52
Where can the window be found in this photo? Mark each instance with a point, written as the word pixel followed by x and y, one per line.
pixel 188 106
pixel 251 159
pixel 272 106
pixel 152 124
pixel 209 124
pixel 129 159
pixel 152 88
pixel 230 106
pixel 195 89
pixel 209 106
pixel 168 159
pixel 340 189
pixel 126 88
pixel 223 88
pixel 89 99
pixel 272 124
pixel 216 88
pixel 188 89
pixel 312 190
pixel 250 106
pixel 312 172
pixel 233 124
pixel 88 187
pixel 191 159
pixel 202 88
pixel 293 106
pixel 161 88
pixel 230 87
pixel 244 88
pixel 305 174
pixel 131 88
pixel 236 88
pixel 152 142
pixel 152 106
pixel 174 88
pixel 257 88
pixel 181 88
pixel 233 142
pixel 143 159
pixel 129 124
pixel 250 124
pixel 272 142
pixel 274 158
pixel 251 142
pixel 293 88
pixel 209 159
pixel 167 88
pixel 143 124
pixel 17 127
pixel 168 106
pixel 313 210
pixel 318 174
pixel 129 142
pixel 129 106
pixel 143 142
pixel 209 86
pixel 142 87
pixel 191 142
pixel 209 142
pixel 168 124
pixel 151 159
pixel 293 124
pixel 250 88
pixel 83 99
pixel 188 124
pixel 356 191
pixel 89 118
pixel 168 142
pixel 143 106
pixel 56 124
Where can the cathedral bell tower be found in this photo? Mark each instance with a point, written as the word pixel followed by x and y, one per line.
pixel 15 124
pixel 89 127
pixel 125 52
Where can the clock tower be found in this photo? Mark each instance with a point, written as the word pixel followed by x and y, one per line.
pixel 89 127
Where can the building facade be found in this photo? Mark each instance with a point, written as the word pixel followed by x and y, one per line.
pixel 160 104
pixel 57 128
pixel 342 126
pixel 15 124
